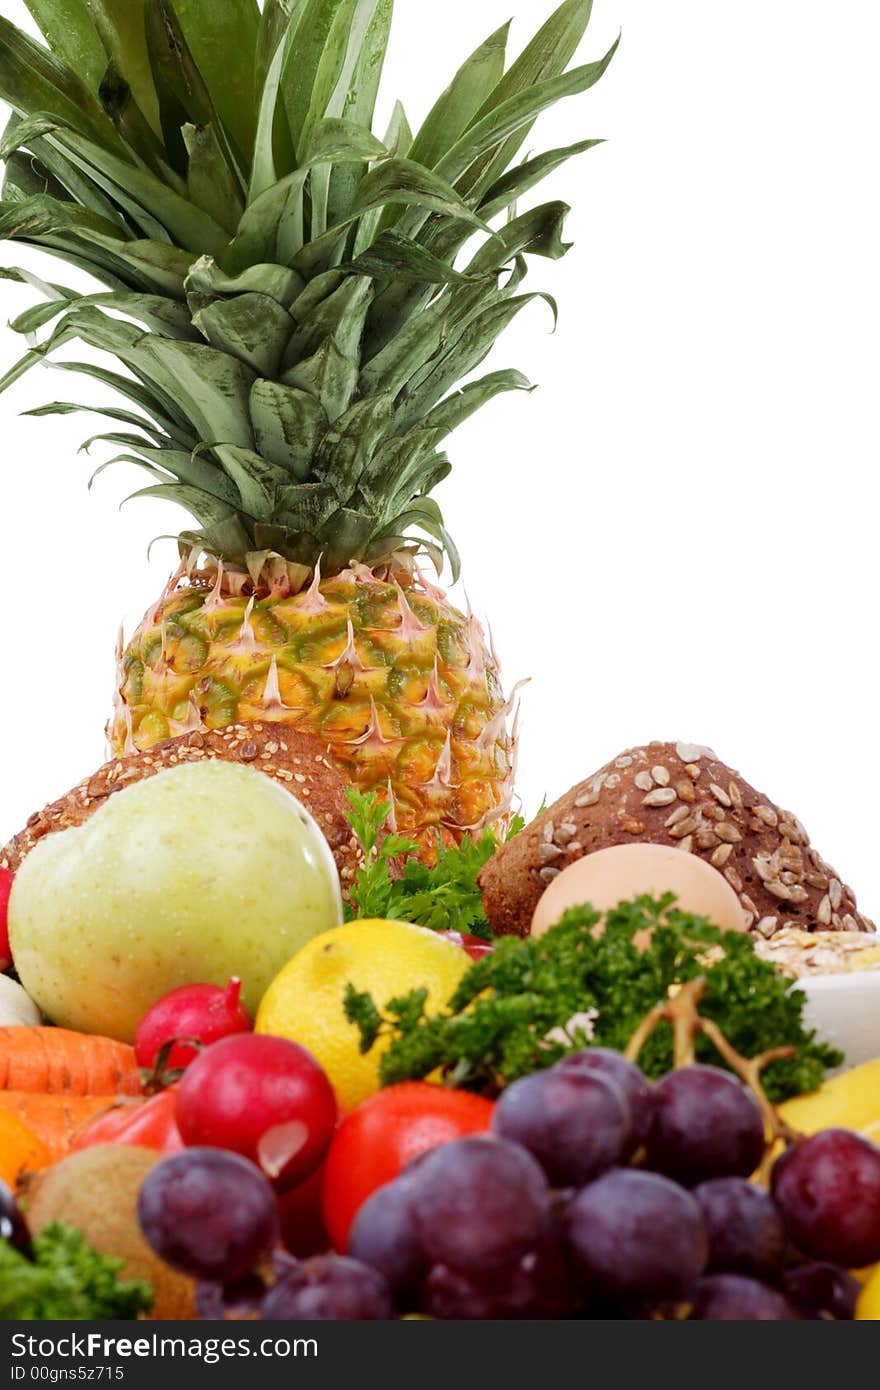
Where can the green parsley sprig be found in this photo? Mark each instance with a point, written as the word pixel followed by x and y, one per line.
pixel 63 1278
pixel 531 1001
pixel 396 886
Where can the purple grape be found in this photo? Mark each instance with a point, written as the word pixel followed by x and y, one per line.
pixel 480 1203
pixel 704 1124
pixel 575 1123
pixel 630 1078
pixel 542 1284
pixel 735 1298
pixel 637 1237
pixel 12 1224
pixel 240 1299
pixel 210 1213
pixel 828 1190
pixel 281 1262
pixel 746 1234
pixel 819 1289
pixel 329 1288
pixel 384 1236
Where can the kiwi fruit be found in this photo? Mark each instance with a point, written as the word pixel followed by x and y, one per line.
pixel 96 1191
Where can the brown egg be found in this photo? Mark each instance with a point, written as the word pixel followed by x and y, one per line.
pixel 623 872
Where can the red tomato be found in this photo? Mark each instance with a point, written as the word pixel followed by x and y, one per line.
pixel 383 1134
pixel 148 1124
pixel 475 946
pixel 6 878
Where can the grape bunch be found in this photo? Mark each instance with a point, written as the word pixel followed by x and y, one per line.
pixel 212 1214
pixel 596 1195
pixel 13 1227
pixel 600 1195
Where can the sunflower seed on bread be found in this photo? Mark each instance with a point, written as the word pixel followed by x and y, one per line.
pixel 297 761
pixel 677 794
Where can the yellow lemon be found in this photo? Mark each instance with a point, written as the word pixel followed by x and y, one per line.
pixel 868 1306
pixel 386 959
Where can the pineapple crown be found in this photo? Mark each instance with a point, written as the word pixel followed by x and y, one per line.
pixel 283 287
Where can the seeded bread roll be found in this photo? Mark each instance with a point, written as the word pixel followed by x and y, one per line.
pixel 676 794
pixel 297 761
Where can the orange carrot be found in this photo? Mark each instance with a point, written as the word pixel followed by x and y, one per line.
pixel 55 1119
pixel 59 1062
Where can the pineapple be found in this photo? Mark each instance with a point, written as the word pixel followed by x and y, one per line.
pixel 298 308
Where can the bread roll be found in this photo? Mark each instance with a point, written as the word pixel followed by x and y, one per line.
pixel 297 761
pixel 680 795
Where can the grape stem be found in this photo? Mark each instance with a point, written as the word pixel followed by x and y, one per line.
pixel 682 1013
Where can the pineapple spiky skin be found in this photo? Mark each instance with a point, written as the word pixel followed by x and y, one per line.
pixel 399 685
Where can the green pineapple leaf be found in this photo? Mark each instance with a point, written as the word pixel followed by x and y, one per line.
pixel 253 328
pixel 180 87
pixel 320 31
pixel 287 292
pixel 468 92
pixel 212 388
pixel 71 34
pixel 257 481
pixel 204 506
pixel 156 207
pixel 396 258
pixel 359 105
pixel 215 33
pixel 32 79
pixel 461 405
pixel 133 128
pixel 211 182
pixel 288 425
pixel 507 190
pixel 124 417
pixel 122 30
pixel 162 410
pixel 329 376
pixel 538 232
pixel 517 114
pixel 547 56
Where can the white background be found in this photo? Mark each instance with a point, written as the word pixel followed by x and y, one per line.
pixel 674 537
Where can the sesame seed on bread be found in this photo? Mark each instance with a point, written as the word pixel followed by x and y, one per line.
pixel 297 761
pixel 680 795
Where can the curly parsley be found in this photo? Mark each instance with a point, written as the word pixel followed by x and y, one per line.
pixel 443 897
pixel 64 1278
pixel 531 1001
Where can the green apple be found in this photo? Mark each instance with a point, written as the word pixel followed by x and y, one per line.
pixel 202 872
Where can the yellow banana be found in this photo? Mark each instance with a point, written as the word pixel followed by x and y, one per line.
pixel 868 1306
pixel 848 1101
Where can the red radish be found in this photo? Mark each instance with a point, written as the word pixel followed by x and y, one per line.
pixel 204 1013
pixel 263 1097
pixel 475 946
pixel 6 881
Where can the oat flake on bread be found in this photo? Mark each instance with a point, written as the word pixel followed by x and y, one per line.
pixel 677 794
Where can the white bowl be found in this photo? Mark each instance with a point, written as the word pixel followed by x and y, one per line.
pixel 845 1012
